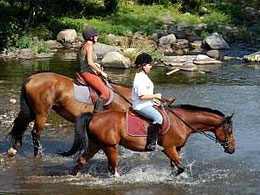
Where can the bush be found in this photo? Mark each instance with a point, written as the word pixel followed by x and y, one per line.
pixel 33 43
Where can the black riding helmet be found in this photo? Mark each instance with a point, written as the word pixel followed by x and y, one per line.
pixel 89 32
pixel 143 59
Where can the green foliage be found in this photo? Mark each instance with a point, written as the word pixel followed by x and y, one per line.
pixel 58 24
pixel 124 19
pixel 232 10
pixel 9 35
pixel 216 17
pixel 33 43
pixel 41 31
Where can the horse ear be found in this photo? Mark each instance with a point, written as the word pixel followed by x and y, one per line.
pixel 230 117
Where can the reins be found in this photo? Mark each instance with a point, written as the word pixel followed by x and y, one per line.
pixel 107 80
pixel 166 106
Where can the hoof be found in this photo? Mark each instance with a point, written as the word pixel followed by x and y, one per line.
pixel 11 152
pixel 116 174
pixel 74 172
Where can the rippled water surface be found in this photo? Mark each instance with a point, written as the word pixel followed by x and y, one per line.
pixel 233 87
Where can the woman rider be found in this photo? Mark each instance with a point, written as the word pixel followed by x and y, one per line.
pixel 144 98
pixel 90 69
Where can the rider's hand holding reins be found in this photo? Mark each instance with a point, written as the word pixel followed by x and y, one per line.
pixel 157 98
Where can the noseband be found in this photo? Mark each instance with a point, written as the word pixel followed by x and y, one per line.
pixel 227 124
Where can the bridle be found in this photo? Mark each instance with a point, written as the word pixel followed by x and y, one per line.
pixel 226 123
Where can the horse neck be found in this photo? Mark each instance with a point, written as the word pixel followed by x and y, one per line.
pixel 119 102
pixel 200 120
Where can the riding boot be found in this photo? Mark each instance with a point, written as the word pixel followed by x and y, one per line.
pixel 99 105
pixel 153 131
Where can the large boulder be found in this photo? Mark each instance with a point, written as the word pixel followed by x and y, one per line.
pixel 115 60
pixel 67 36
pixel 215 41
pixel 102 49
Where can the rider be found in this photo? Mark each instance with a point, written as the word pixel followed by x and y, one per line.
pixel 90 69
pixel 144 98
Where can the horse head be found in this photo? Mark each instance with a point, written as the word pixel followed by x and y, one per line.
pixel 225 136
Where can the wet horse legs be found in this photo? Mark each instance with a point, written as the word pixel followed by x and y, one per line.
pixel 36 134
pixel 84 158
pixel 175 159
pixel 112 156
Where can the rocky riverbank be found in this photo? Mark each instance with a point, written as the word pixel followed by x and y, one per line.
pixel 178 44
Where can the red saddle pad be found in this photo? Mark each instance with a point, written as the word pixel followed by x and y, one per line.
pixel 136 125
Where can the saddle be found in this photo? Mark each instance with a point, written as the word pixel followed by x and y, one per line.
pixel 136 125
pixel 79 87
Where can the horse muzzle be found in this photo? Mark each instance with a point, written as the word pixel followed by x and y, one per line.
pixel 228 149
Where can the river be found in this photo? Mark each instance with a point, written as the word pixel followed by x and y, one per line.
pixel 232 87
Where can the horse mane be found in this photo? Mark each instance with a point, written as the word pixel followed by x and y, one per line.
pixel 191 107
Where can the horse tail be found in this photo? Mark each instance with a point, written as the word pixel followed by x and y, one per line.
pixel 81 135
pixel 25 116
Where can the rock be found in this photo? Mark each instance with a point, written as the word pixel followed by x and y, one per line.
pixel 205 60
pixel 178 60
pixel 110 38
pixel 115 60
pixel 168 39
pixel 216 54
pixel 181 44
pixel 189 67
pixel 204 10
pixel 25 54
pixel 196 44
pixel 12 101
pixel 215 41
pixel 67 36
pixel 252 12
pixel 102 49
pixel 44 55
pixel 255 57
pixel 54 44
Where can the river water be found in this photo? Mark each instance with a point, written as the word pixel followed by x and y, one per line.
pixel 233 87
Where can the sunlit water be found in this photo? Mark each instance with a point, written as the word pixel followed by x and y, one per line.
pixel 233 87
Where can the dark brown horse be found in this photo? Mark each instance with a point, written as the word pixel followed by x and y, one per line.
pixel 106 131
pixel 42 92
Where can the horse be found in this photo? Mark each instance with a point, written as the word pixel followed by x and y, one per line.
pixel 44 91
pixel 106 131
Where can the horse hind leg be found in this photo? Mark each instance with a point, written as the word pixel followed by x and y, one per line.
pixel 112 156
pixel 36 134
pixel 84 158
pixel 21 123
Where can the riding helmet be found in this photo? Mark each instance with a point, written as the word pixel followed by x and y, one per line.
pixel 89 32
pixel 143 59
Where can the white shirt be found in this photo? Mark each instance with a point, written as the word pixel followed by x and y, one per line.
pixel 142 86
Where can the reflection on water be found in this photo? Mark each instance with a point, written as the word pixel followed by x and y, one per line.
pixel 233 87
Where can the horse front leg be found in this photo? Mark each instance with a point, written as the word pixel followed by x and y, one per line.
pixel 36 134
pixel 175 160
pixel 112 156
